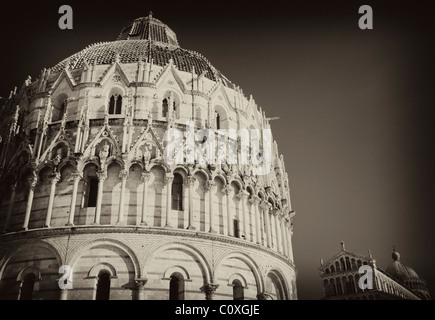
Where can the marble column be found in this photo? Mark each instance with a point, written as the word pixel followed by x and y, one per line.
pixel 190 184
pixel 284 236
pixel 265 206
pixel 140 287
pixel 55 178
pixel 169 180
pixel 289 242
pixel 32 184
pixel 11 206
pixel 210 189
pixel 102 176
pixel 123 174
pixel 243 195
pixel 255 200
pixel 227 191
pixel 76 177
pixel 146 178
pixel 278 231
pixel 209 289
pixel 63 294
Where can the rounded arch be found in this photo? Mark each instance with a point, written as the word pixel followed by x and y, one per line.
pixel 261 194
pixel 176 269
pixel 96 269
pixel 115 161
pixel 44 167
pixel 27 270
pixel 164 166
pixel 61 148
pixel 182 170
pixel 205 173
pixel 188 249
pixel 238 182
pixel 220 176
pixel 221 117
pixel 134 163
pixel 67 162
pixel 91 162
pixel 279 282
pixel 249 261
pixel 240 277
pixel 81 248
pixel 12 252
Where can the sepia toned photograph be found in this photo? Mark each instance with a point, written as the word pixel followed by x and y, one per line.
pixel 217 151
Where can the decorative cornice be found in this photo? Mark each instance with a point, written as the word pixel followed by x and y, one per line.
pixel 75 230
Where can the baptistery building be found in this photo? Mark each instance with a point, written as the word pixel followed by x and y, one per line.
pixel 91 209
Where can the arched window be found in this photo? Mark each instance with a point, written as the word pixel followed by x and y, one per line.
pixel 238 293
pixel 115 104
pixel 27 287
pixel 177 192
pixel 348 267
pixel 103 285
pixel 165 108
pixel 353 264
pixel 176 287
pixel 62 110
pixel 218 121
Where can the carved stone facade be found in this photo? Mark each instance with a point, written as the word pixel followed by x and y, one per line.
pixel 84 182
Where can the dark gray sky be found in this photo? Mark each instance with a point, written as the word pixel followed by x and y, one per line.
pixel 356 107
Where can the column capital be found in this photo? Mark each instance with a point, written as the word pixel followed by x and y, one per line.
pixel 75 176
pixel 123 174
pixel 169 178
pixel 243 194
pixel 209 185
pixel 190 181
pixel 101 175
pixel 55 178
pixel 33 181
pixel 227 189
pixel 255 200
pixel 209 289
pixel 140 283
pixel 265 205
pixel 146 176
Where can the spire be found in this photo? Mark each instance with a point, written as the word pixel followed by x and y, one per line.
pixel 342 246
